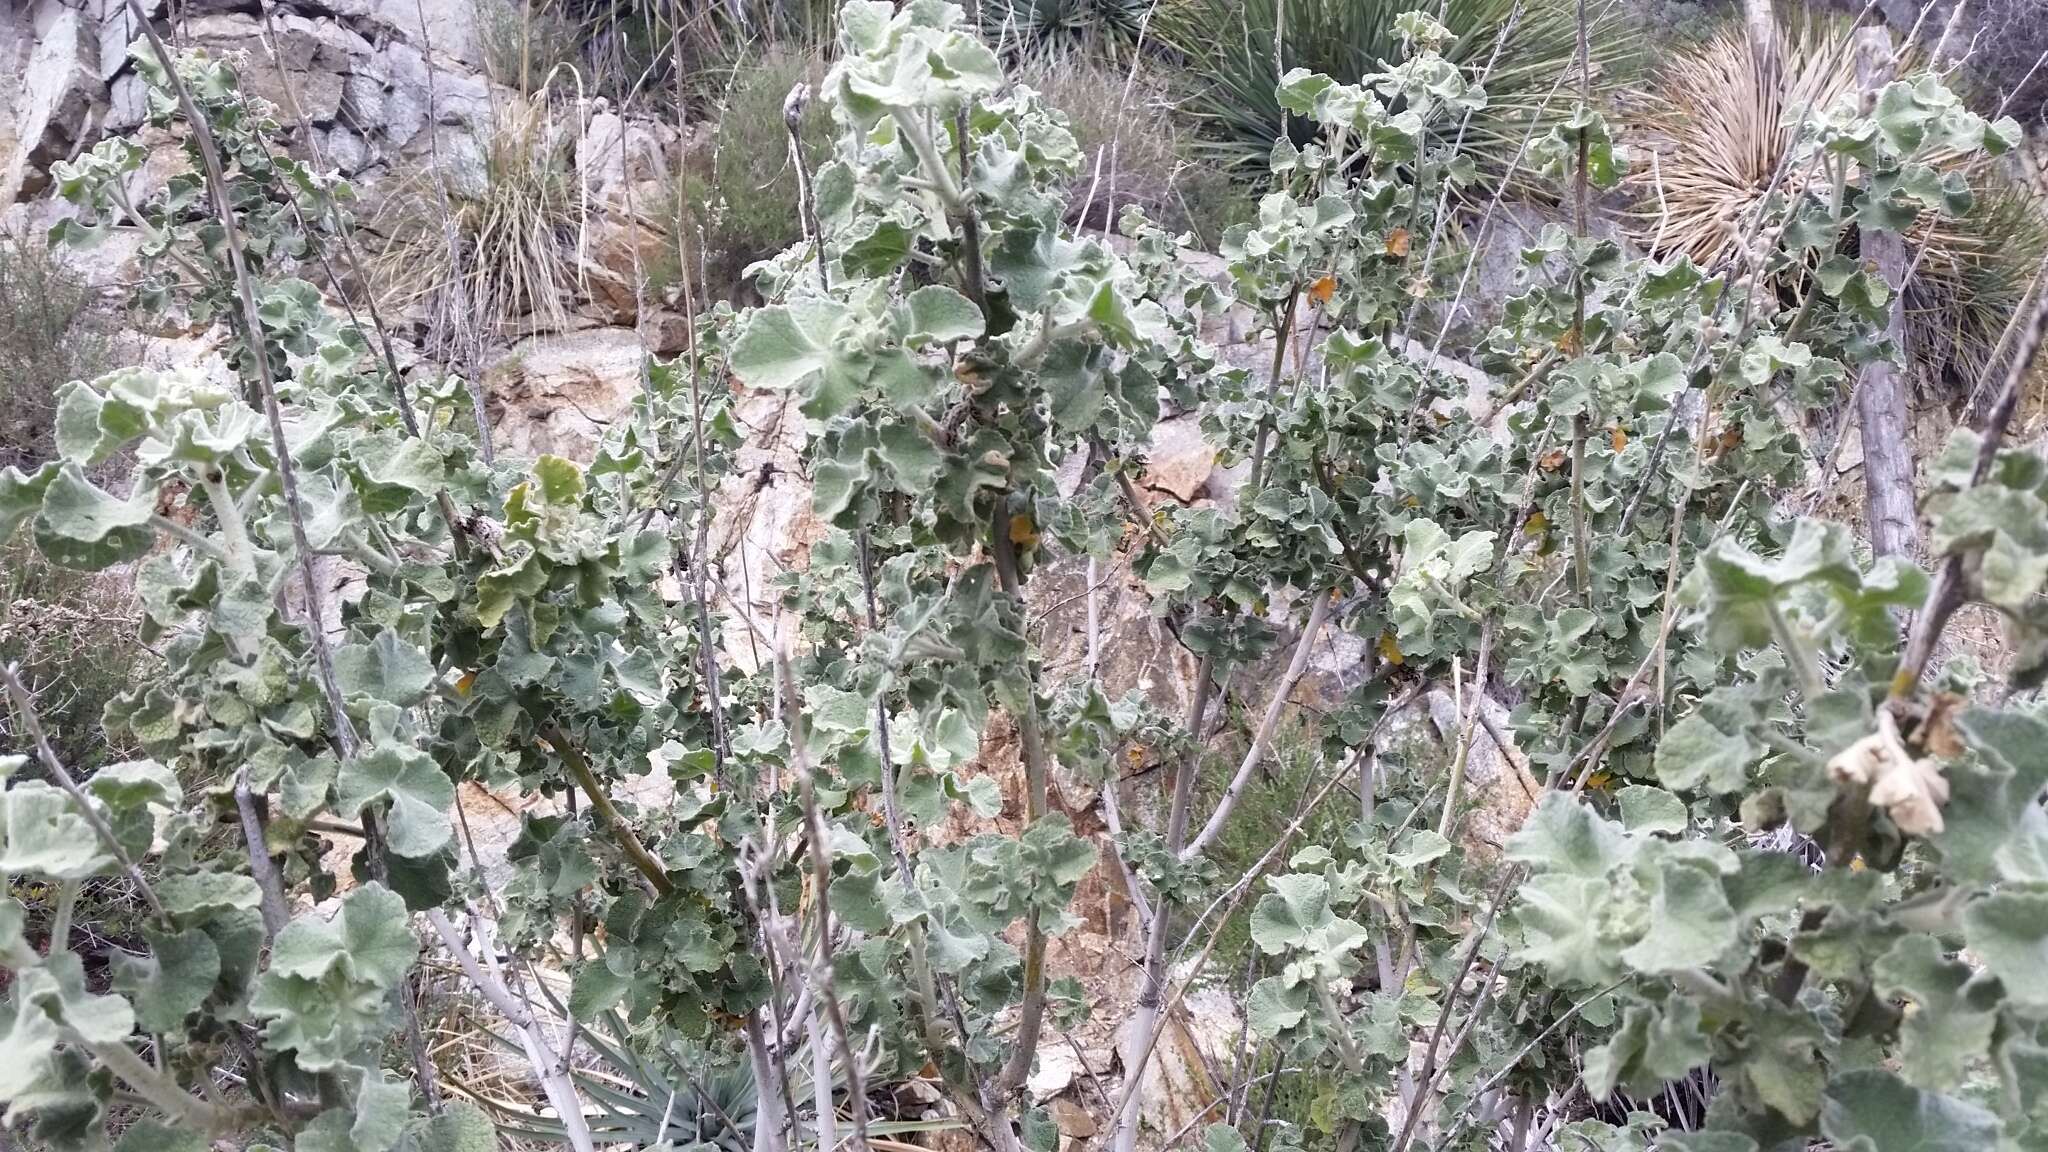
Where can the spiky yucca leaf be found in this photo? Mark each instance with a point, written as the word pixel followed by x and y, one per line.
pixel 1716 119
pixel 1228 45
pixel 1975 271
pixel 1062 28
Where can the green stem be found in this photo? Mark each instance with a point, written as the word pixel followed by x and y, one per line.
pixel 60 919
pixel 928 159
pixel 1283 334
pixel 187 537
pixel 1032 1012
pixel 615 822
pixel 1339 1029
pixel 1798 652
pixel 1581 564
pixel 162 1092
pixel 234 533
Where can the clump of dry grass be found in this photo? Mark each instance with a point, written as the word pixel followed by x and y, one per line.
pixel 488 250
pixel 525 41
pixel 1134 148
pixel 2007 56
pixel 1715 117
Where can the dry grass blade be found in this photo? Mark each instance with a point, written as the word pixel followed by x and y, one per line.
pixel 1715 116
pixel 517 212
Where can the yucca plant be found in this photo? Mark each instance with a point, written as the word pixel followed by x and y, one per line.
pixel 1975 273
pixel 1720 122
pixel 1229 49
pixel 1715 115
pixel 631 49
pixel 1063 28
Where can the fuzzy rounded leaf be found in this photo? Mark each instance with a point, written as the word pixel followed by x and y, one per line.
pixel 1646 809
pixel 198 895
pixel 2009 930
pixel 1565 836
pixel 939 314
pixel 370 935
pixel 419 794
pixel 1691 924
pixel 1275 1006
pixel 388 668
pixel 43 834
pixel 1869 1110
pixel 173 980
pixel 85 528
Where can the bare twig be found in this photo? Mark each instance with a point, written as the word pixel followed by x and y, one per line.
pixel 548 1066
pixel 1946 593
pixel 260 864
pixel 1230 899
pixel 1425 1081
pixel 821 887
pixel 1318 614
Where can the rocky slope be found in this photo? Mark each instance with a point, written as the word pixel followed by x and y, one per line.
pixel 383 88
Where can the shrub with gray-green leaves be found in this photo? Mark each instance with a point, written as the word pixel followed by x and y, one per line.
pixel 1693 669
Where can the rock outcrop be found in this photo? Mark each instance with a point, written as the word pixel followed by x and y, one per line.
pixel 382 86
pixel 366 77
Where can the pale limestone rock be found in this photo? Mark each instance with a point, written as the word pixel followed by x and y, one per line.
pixel 1499 788
pixel 450 27
pixel 17 40
pixel 304 75
pixel 1055 1072
pixel 118 30
pixel 343 150
pixel 613 151
pixel 559 394
pixel 391 96
pixel 627 240
pixel 764 527
pixel 1182 1078
pixel 56 96
pixel 127 104
pixel 1179 459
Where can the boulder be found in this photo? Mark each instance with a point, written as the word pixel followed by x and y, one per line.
pixel 342 149
pixel 763 528
pixel 1500 790
pixel 305 75
pixel 448 28
pixel 1179 460
pixel 55 101
pixel 1182 1078
pixel 623 247
pixel 117 30
pixel 127 104
pixel 558 394
pixel 614 151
